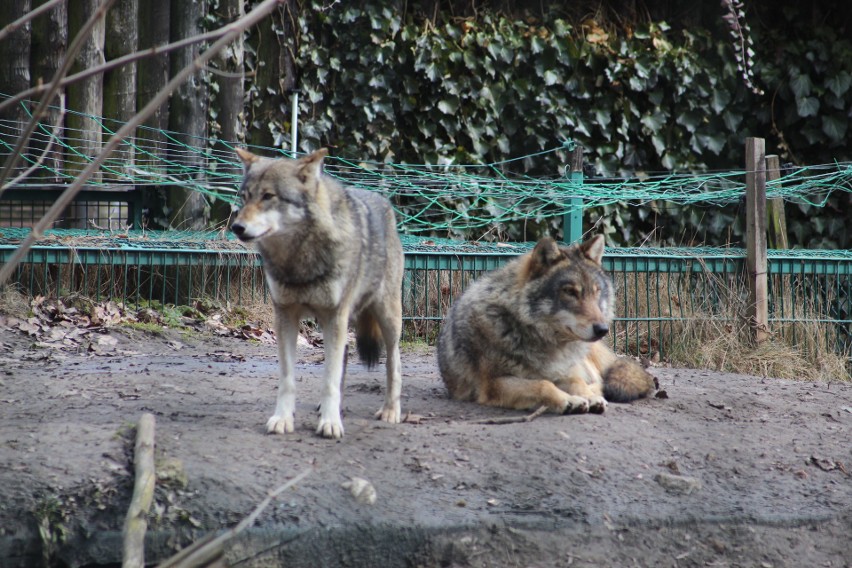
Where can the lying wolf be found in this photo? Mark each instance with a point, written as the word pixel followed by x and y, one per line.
pixel 528 334
pixel 332 252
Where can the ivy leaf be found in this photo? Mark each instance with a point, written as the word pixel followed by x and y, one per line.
pixel 448 106
pixel 801 85
pixel 550 78
pixel 834 127
pixel 603 116
pixel 653 122
pixel 840 83
pixel 721 98
pixel 807 106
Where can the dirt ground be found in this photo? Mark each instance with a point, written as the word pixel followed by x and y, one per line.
pixel 729 470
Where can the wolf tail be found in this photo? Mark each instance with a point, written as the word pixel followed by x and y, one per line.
pixel 368 339
pixel 624 381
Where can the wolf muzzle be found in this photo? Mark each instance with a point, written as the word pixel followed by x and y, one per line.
pixel 240 230
pixel 599 331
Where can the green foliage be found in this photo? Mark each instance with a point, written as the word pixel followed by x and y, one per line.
pixel 647 99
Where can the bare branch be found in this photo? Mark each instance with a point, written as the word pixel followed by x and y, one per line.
pixel 68 195
pixel 210 548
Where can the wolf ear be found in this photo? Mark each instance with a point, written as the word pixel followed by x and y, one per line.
pixel 593 249
pixel 312 164
pixel 545 254
pixel 247 157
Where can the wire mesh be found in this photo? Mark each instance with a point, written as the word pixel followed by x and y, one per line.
pixel 664 296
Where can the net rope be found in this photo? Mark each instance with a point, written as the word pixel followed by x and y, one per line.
pixel 429 198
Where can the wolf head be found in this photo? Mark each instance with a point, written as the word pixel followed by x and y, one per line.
pixel 277 195
pixel 568 289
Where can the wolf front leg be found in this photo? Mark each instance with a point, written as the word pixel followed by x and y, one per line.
pixel 577 386
pixel 526 394
pixel 334 336
pixel 287 330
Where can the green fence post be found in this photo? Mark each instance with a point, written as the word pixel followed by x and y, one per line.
pixel 572 221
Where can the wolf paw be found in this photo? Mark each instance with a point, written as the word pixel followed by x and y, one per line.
pixel 280 424
pixel 597 404
pixel 390 415
pixel 575 405
pixel 330 429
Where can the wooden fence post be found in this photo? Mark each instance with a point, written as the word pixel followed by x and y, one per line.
pixel 775 208
pixel 756 263
pixel 572 222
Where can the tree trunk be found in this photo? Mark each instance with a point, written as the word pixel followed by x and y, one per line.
pixel 271 102
pixel 14 71
pixel 152 75
pixel 49 42
pixel 188 209
pixel 85 102
pixel 230 98
pixel 120 84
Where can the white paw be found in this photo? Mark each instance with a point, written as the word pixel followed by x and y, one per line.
pixel 575 404
pixel 597 404
pixel 330 428
pixel 280 424
pixel 391 415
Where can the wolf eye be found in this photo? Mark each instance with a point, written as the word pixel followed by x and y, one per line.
pixel 267 196
pixel 571 290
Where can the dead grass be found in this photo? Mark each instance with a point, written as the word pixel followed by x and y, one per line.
pixel 13 302
pixel 698 322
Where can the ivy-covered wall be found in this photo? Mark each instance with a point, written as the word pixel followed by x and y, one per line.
pixel 640 98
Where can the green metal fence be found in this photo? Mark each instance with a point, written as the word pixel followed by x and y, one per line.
pixel 664 295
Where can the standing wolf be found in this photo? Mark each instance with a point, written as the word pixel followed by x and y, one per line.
pixel 328 251
pixel 528 334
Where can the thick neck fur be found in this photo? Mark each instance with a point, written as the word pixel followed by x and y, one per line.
pixel 304 257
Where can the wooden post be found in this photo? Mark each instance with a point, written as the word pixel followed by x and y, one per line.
pixel 572 222
pixel 758 302
pixel 775 208
pixel 136 522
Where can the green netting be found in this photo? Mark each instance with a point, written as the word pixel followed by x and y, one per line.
pixel 223 241
pixel 432 199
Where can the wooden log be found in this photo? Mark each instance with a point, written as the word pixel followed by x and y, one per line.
pixel 758 302
pixel 136 522
pixel 777 220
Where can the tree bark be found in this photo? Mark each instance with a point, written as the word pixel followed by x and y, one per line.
pixel 188 209
pixel 120 84
pixel 152 74
pixel 14 69
pixel 49 42
pixel 230 98
pixel 272 100
pixel 85 102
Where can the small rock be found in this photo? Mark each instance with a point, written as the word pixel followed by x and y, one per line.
pixel 362 490
pixel 678 483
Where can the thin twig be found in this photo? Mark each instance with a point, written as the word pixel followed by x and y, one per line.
pixel 511 419
pixel 211 549
pixel 68 195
